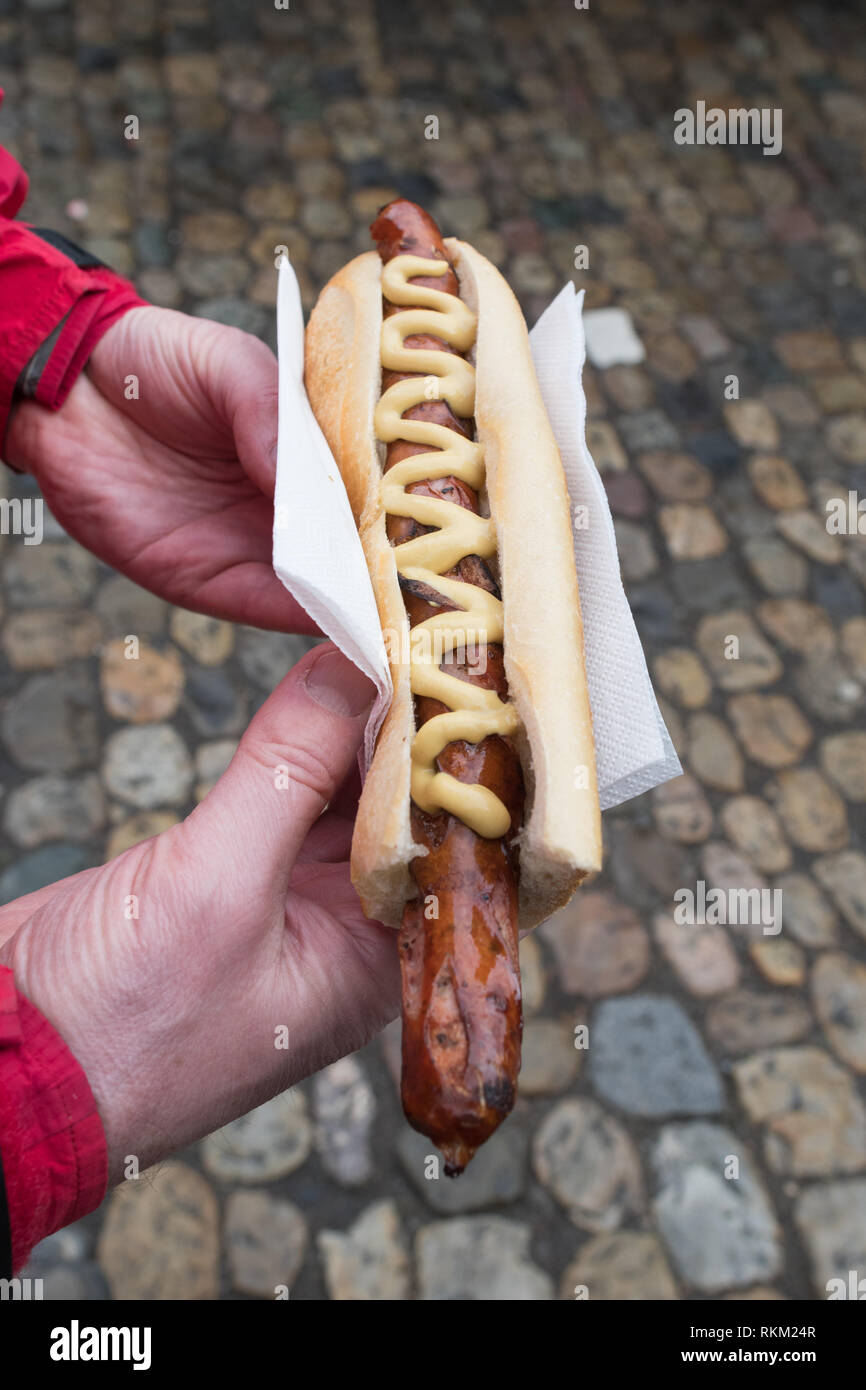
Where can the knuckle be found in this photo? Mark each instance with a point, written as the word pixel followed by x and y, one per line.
pixel 309 767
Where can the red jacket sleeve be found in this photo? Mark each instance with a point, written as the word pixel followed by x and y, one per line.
pixel 52 1143
pixel 40 289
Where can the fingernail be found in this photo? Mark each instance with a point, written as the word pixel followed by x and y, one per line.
pixel 335 682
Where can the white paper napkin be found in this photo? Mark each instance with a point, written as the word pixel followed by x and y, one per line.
pixel 318 555
pixel 633 748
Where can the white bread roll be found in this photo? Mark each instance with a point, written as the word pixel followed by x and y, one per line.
pixel 560 841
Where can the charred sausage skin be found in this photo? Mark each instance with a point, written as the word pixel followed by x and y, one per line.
pixel 458 941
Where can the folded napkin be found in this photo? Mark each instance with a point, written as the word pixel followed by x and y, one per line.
pixel 319 558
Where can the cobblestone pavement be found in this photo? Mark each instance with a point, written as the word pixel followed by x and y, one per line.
pixel 710 1047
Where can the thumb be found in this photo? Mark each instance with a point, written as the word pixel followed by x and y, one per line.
pixel 289 764
pixel 246 383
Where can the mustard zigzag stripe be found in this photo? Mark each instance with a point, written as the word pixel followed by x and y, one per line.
pixel 473 713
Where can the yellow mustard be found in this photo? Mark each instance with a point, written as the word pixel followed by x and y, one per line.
pixel 473 713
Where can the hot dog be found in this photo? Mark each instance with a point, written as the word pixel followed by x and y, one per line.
pixel 479 814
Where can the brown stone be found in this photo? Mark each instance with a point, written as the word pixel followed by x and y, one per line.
pixel 141 826
pixel 771 728
pixel 603 443
pixel 39 641
pixel 810 350
pixel 701 955
pixel 753 826
pixel 846 435
pixel 812 813
pixel 214 231
pixel 532 976
pixel 549 1060
pixel 142 688
pixel 681 811
pixel 692 532
pixel 775 481
pixel 275 201
pixel 675 477
pixel 843 758
pixel 806 913
pixel 853 643
pixel 777 568
pixel 836 394
pixel 671 356
pixel 809 534
pixel 800 626
pixel 713 755
pixel 751 424
pixel 679 674
pixel 792 405
pixel 160 1237
pixel 600 945
pixel 839 997
pixel 844 877
pixel 620 1266
pixel 758 1294
pixel 828 688
pixel 193 74
pixel 637 557
pixel 729 870
pixel 266 1240
pixel 675 727
pixel 628 387
pixel 208 640
pixel 780 962
pixel 738 655
pixel 746 1020
pixel 586 1159
pixel 815 1121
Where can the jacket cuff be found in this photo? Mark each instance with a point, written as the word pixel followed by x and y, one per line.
pixel 41 288
pixel 55 1159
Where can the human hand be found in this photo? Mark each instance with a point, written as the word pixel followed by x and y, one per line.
pixel 175 488
pixel 246 921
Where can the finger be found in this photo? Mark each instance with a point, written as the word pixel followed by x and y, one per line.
pixel 245 384
pixel 329 841
pixel 288 766
pixel 13 914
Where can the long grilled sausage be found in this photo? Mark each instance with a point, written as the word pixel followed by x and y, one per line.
pixel 458 941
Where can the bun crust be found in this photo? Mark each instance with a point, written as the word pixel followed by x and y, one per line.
pixel 543 639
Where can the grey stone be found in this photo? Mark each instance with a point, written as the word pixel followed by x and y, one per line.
pixel 128 610
pixel 369 1261
pixel 587 1160
pixel 832 1219
pixel 549 1059
pixel 265 1240
pixel 54 808
pixel 647 1057
pixel 496 1175
pixel 345 1108
pixel 51 725
pixel 266 657
pixel 478 1259
pixel 43 866
pixel 647 429
pixel 237 313
pixel 269 1142
pixel 54 574
pixel 815 1122
pixel 148 766
pixel 721 1231
pixel 160 1237
pixel 215 704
